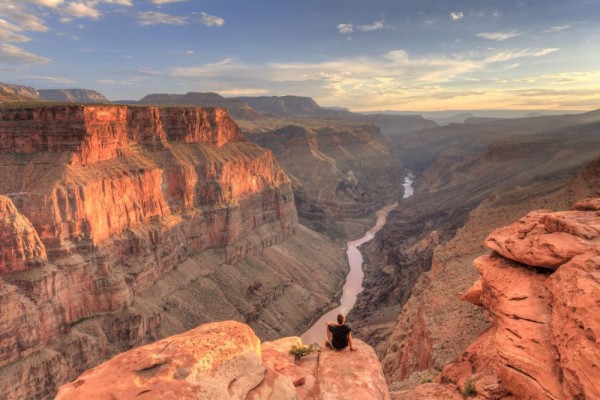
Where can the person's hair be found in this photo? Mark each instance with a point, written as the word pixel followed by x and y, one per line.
pixel 340 318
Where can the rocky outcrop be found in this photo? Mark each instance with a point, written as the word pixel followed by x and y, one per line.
pixel 128 224
pixel 543 342
pixel 19 242
pixel 226 360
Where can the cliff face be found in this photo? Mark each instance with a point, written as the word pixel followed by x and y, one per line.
pixel 225 360
pixel 337 172
pixel 117 219
pixel 540 288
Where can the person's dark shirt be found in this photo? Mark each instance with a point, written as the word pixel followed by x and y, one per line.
pixel 339 335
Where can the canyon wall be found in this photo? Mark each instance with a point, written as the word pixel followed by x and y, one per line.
pixel 337 172
pixel 121 225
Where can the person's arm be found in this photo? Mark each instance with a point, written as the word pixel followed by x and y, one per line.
pixel 327 331
pixel 350 342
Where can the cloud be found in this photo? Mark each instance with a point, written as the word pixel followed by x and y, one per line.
pixel 349 28
pixel 160 2
pixel 557 29
pixel 345 28
pixel 10 36
pixel 10 54
pixel 508 55
pixel 21 18
pixel 81 10
pixel 371 27
pixel 52 79
pixel 499 36
pixel 154 18
pixel 456 15
pixel 48 3
pixel 211 20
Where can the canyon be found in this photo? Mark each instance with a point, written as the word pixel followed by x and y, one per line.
pixel 472 179
pixel 123 225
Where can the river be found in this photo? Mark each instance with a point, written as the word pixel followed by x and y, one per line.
pixel 354 280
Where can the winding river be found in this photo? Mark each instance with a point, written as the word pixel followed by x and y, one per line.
pixel 354 280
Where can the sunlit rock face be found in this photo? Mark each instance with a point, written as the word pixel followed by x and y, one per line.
pixel 98 204
pixel 541 289
pixel 225 360
pixel 19 242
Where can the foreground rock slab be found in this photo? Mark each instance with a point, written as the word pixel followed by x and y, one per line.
pixel 225 360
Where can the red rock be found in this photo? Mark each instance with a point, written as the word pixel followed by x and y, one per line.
pixel 19 242
pixel 351 374
pixel 223 360
pixel 528 241
pixel 575 290
pixel 588 205
pixel 214 361
pixel 545 327
pixel 473 294
pixel 518 306
pixel 105 201
pixel 428 391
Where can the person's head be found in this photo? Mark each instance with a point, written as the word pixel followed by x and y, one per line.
pixel 341 318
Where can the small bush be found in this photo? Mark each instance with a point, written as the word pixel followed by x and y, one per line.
pixel 299 351
pixel 426 380
pixel 469 390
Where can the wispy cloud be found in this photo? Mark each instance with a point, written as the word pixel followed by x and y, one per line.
pixel 10 54
pixel 10 36
pixel 456 15
pixel 211 20
pixel 154 18
pixel 499 36
pixel 557 29
pixel 349 28
pixel 160 2
pixel 508 55
pixel 52 79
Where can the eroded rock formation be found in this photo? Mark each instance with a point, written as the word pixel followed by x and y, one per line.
pixel 225 360
pixel 127 224
pixel 337 172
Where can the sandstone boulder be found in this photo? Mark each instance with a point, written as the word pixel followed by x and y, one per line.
pixel 214 361
pixel 545 240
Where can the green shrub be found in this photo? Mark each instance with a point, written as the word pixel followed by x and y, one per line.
pixel 469 389
pixel 299 351
pixel 426 380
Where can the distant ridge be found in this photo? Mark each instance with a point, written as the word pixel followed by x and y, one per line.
pixel 237 108
pixel 73 96
pixel 10 92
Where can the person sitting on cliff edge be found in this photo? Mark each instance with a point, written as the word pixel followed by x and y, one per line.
pixel 339 335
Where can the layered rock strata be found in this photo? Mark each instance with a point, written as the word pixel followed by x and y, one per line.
pixel 116 220
pixel 540 289
pixel 225 360
pixel 337 172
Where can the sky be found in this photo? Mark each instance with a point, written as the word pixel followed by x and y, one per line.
pixel 362 54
